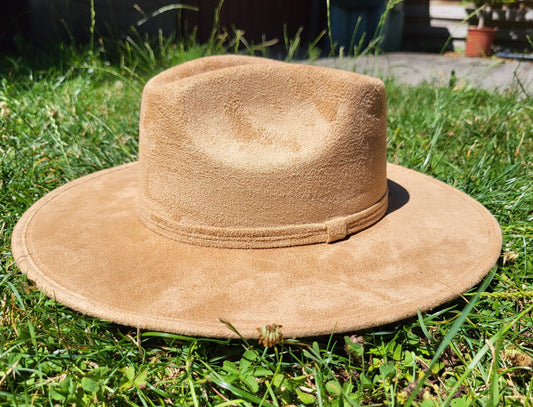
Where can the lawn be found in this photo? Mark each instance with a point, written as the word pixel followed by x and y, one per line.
pixel 73 111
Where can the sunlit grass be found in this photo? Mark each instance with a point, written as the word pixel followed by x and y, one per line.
pixel 72 112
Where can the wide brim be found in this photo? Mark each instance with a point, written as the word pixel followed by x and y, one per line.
pixel 83 245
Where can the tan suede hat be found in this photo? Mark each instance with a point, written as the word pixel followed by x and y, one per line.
pixel 261 196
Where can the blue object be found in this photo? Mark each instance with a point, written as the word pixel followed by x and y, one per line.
pixel 354 23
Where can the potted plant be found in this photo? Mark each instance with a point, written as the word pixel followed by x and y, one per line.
pixel 480 38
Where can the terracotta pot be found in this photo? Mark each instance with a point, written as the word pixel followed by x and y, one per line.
pixel 479 41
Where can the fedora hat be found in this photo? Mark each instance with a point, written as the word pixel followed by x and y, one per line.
pixel 261 196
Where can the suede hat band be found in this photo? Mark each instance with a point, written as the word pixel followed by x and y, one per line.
pixel 283 236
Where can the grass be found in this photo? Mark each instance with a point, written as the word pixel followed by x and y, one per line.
pixel 71 112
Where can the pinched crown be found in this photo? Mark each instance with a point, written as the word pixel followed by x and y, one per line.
pixel 244 152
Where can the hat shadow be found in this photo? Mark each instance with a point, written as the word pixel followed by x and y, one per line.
pixel 398 196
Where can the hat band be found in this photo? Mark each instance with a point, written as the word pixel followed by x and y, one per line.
pixel 265 237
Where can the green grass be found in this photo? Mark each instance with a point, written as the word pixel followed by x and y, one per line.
pixel 71 112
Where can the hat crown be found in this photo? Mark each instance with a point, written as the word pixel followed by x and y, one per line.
pixel 261 154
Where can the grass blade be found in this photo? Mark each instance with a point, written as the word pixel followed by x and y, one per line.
pixel 451 334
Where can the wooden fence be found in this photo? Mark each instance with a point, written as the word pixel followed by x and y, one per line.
pixel 423 29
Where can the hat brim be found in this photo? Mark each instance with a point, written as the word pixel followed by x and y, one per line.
pixel 83 245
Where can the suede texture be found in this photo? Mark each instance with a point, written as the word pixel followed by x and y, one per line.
pixel 244 147
pixel 295 156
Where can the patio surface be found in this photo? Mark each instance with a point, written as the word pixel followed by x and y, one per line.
pixel 415 68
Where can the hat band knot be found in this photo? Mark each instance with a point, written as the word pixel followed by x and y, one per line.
pixel 335 229
pixel 265 237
